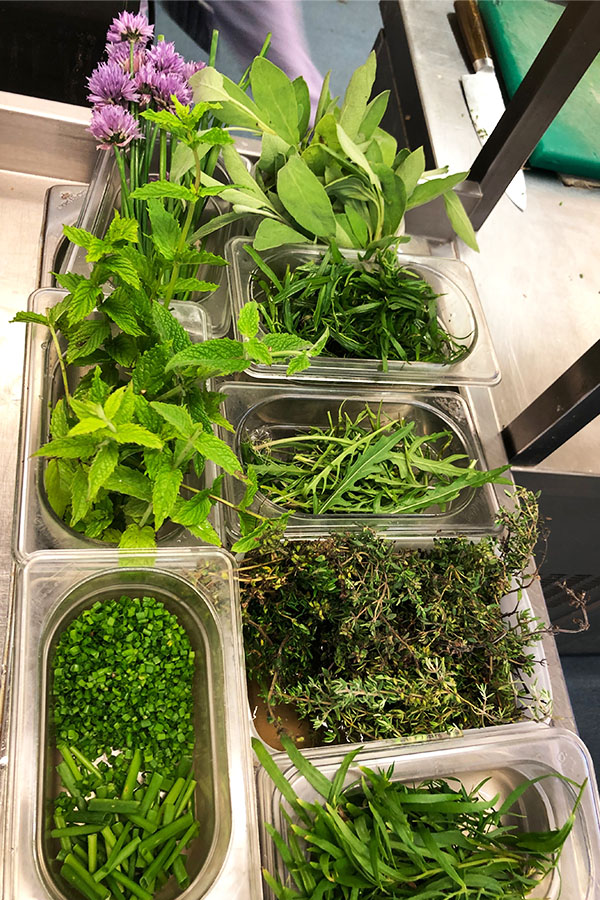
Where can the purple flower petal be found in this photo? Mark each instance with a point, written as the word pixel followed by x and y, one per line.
pixel 130 27
pixel 165 58
pixel 190 68
pixel 120 55
pixel 158 87
pixel 109 84
pixel 113 126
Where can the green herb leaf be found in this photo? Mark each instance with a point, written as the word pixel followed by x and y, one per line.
pixel 460 220
pixel 129 433
pixel 131 482
pixel 305 198
pixel 161 190
pixel 165 492
pixel 275 97
pixel 166 232
pixel 136 538
pixel 102 467
pixel 248 319
pixel 271 233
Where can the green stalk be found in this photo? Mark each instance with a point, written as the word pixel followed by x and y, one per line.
pixel 132 774
pixel 186 228
pixel 162 164
pixel 61 362
pixel 125 200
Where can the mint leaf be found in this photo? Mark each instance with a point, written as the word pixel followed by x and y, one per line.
pixel 149 373
pixel 165 229
pixel 130 482
pixel 136 538
pixel 59 424
pixel 124 350
pixel 79 496
pixel 206 533
pixel 122 229
pixel 57 489
pixel 129 433
pixel 285 342
pixel 118 308
pixel 102 467
pixel 258 352
pixel 194 284
pixel 251 540
pixel 159 190
pixel 192 512
pixel 168 328
pixel 99 518
pixel 98 389
pixel 32 317
pixel 69 280
pixel 153 461
pixel 145 414
pixel 87 425
pixel 165 493
pixel 83 406
pixel 88 338
pixel 83 300
pixel 298 364
pixel 122 266
pixel 177 416
pixel 114 401
pixel 222 350
pixel 126 408
pixel 248 319
pixel 78 447
pixel 251 488
pixel 79 236
pixel 215 449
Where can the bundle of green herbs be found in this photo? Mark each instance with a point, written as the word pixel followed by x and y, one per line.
pixel 337 176
pixel 368 642
pixel 378 837
pixel 373 309
pixel 122 710
pixel 366 464
pixel 131 439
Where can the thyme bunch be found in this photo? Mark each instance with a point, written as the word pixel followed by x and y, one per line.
pixel 366 642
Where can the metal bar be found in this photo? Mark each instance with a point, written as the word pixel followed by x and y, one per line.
pixel 557 414
pixel 563 60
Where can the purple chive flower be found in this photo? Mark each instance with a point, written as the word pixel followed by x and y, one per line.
pixel 158 87
pixel 109 84
pixel 113 126
pixel 120 55
pixel 190 68
pixel 165 58
pixel 130 27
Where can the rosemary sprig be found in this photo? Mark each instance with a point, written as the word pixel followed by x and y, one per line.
pixel 364 465
pixel 374 309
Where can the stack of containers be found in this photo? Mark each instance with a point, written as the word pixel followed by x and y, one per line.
pixel 60 573
pixel 266 405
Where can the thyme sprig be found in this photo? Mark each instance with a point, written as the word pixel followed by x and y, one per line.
pixel 366 642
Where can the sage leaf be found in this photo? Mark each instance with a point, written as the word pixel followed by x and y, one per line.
pixel 460 220
pixel 271 233
pixel 429 190
pixel 305 198
pixel 357 95
pixel 275 97
pixel 411 169
pixel 373 115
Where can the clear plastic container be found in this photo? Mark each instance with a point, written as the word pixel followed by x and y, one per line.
pixel 265 410
pixel 506 757
pixel 36 525
pixel 459 312
pixel 102 197
pixel 535 695
pixel 199 588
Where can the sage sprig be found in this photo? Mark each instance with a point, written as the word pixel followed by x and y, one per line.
pixel 338 178
pixel 378 837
